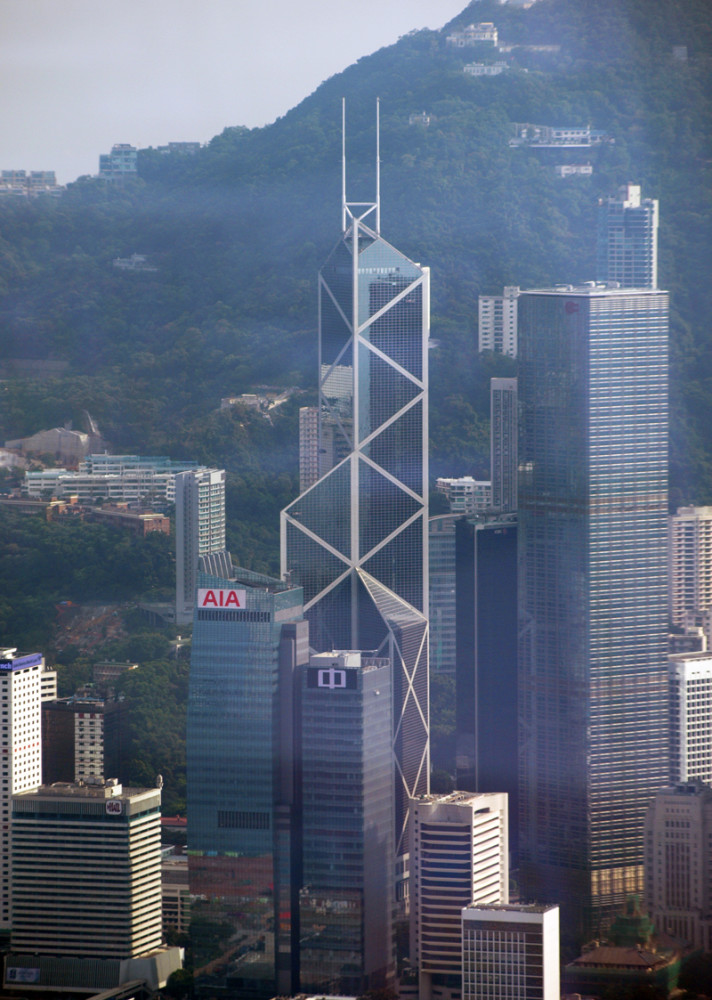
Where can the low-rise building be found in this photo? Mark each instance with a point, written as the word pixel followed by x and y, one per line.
pixel 465 494
pixel 473 34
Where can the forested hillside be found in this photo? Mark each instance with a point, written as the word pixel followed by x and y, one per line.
pixel 237 233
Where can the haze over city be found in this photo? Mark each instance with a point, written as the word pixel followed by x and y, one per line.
pixel 83 76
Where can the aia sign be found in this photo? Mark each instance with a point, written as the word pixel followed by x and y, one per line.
pixel 222 598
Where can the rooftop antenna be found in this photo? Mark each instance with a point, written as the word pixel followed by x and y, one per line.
pixel 378 165
pixel 357 211
pixel 343 164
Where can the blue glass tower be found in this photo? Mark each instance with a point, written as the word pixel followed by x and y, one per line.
pixel 592 590
pixel 248 638
pixel 346 903
pixel 357 540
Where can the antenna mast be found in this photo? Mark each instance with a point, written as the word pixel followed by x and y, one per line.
pixel 343 164
pixel 378 165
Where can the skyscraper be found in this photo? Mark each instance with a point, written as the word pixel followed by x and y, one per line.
pixel 248 638
pixel 21 747
pixel 200 533
pixel 346 903
pixel 459 856
pixel 628 239
pixel 592 589
pixel 497 322
pixel 503 443
pixel 357 540
pixel 690 710
pixel 87 870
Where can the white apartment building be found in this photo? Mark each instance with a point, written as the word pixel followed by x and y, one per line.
pixel 497 322
pixel 466 495
pixel 459 855
pixel 200 532
pixel 474 34
pixel 510 953
pixel 485 69
pixel 690 676
pixel 690 562
pixel 678 863
pixel 20 746
pixel 110 477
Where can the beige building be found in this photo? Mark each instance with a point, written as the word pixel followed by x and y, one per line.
pixel 459 856
pixel 690 562
pixel 678 863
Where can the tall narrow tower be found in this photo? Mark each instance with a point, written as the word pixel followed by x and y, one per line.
pixel 357 540
pixel 592 589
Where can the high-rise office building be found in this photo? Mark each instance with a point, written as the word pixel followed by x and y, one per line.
pixel 593 698
pixel 497 322
pixel 510 953
pixel 21 743
pixel 248 638
pixel 86 870
pixel 503 443
pixel 82 736
pixel 628 239
pixel 443 594
pixel 486 655
pixel 357 540
pixel 678 863
pixel 690 562
pixel 347 941
pixel 200 534
pixel 690 714
pixel 459 855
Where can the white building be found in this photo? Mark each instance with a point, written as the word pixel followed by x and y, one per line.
pixel 510 953
pixel 690 562
pixel 459 855
pixel 200 533
pixel 497 322
pixel 678 863
pixel 690 677
pixel 474 34
pixel 109 836
pixel 21 747
pixel 466 495
pixel 118 478
pixel 485 69
pixel 573 169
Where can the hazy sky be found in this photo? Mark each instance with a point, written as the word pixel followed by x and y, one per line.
pixel 76 76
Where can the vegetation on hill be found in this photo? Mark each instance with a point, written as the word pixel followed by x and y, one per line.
pixel 237 232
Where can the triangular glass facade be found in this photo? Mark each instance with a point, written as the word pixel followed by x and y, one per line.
pixel 357 540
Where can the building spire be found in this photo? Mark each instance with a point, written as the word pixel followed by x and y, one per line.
pixel 358 211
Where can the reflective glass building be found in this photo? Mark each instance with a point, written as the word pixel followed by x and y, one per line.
pixel 249 636
pixel 346 903
pixel 357 540
pixel 592 590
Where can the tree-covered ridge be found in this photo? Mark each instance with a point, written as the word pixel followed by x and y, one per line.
pixel 238 232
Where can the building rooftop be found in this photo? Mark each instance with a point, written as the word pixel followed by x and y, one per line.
pixel 512 907
pixel 591 288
